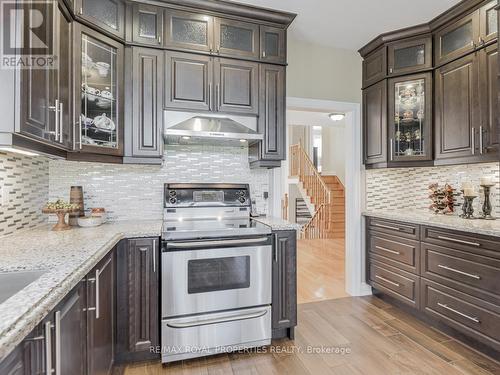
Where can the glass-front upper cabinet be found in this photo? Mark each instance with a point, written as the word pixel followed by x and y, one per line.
pixel 189 31
pixel 457 39
pixel 272 44
pixel 236 38
pixel 100 106
pixel 147 24
pixel 488 19
pixel 410 118
pixel 109 15
pixel 410 56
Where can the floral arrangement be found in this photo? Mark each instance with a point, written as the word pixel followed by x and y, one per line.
pixel 443 198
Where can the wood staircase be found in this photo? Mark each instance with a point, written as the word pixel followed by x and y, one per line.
pixel 326 195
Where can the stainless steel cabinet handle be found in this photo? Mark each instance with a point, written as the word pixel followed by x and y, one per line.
pixel 61 121
pixel 97 312
pixel 80 130
pixel 210 96
pixel 386 226
pixel 472 318
pixel 159 40
pixel 477 277
pixel 459 241
pixel 263 54
pixel 276 245
pixel 481 140
pixel 388 250
pixel 391 150
pixel 230 318
pixel 249 241
pixel 58 342
pixel 48 348
pixel 154 256
pixel 473 141
pixel 386 280
pixel 57 120
pixel 217 96
pixel 391 70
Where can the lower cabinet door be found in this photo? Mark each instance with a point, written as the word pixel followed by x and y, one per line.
pixel 101 316
pixel 284 278
pixel 138 321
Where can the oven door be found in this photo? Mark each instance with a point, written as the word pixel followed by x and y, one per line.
pixel 215 275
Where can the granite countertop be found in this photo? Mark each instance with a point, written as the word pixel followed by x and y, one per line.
pixel 276 223
pixel 67 257
pixel 424 217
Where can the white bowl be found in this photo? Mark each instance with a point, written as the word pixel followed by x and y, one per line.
pixel 90 221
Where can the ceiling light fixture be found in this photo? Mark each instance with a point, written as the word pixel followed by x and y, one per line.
pixel 186 137
pixel 243 140
pixel 336 116
pixel 18 151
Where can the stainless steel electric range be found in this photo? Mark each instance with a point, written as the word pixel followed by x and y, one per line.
pixel 216 272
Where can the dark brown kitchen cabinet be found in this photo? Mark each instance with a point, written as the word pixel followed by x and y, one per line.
pixel 457 108
pixel 47 93
pixel 272 44
pixel 14 363
pixel 138 297
pixel 101 316
pixel 457 39
pixel 375 123
pixel 147 24
pixel 409 55
pixel 410 130
pixel 375 67
pixel 144 105
pixel 107 15
pixel 271 121
pixel 488 22
pixel 188 81
pixel 236 86
pixel 236 38
pixel 284 284
pixel 488 130
pixel 99 95
pixel 189 31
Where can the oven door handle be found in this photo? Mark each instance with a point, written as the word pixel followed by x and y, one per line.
pixel 230 318
pixel 206 244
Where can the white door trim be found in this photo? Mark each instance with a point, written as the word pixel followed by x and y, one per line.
pixel 355 282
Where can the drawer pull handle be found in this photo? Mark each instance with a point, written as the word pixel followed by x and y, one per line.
pixel 387 281
pixel 386 226
pixel 472 318
pixel 477 277
pixel 459 241
pixel 388 250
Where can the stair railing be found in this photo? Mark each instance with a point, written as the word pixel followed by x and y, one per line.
pixel 318 225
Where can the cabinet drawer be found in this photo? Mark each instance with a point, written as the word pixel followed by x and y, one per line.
pixel 470 315
pixel 478 244
pixel 399 284
pixel 398 252
pixel 470 273
pixel 411 231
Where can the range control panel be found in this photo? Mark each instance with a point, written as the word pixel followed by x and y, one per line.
pixel 207 195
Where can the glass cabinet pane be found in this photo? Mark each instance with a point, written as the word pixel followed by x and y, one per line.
pixel 491 21
pixel 189 31
pixel 104 11
pixel 236 38
pixel 271 44
pixel 99 93
pixel 458 38
pixel 147 25
pixel 409 125
pixel 412 56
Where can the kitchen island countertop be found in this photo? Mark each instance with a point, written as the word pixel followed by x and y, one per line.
pixel 66 257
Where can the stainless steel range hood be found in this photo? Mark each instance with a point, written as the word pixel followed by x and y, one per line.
pixel 189 128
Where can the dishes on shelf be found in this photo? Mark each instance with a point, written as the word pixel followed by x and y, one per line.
pixel 103 122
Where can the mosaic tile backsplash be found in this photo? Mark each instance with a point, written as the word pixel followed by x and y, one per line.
pixel 136 191
pixel 408 187
pixel 24 188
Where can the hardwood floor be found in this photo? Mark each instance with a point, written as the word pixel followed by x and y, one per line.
pixel 354 336
pixel 320 270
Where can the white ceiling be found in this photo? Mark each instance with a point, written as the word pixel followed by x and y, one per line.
pixel 351 24
pixel 310 118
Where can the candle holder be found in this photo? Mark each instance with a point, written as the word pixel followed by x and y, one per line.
pixel 486 214
pixel 464 206
pixel 470 208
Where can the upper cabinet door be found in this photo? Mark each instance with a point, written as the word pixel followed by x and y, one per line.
pixel 236 38
pixel 409 56
pixel 489 100
pixel 375 123
pixel 273 44
pixel 457 39
pixel 488 19
pixel 457 109
pixel 410 131
pixel 99 93
pixel 188 81
pixel 147 24
pixel 189 31
pixel 375 67
pixel 236 86
pixel 109 15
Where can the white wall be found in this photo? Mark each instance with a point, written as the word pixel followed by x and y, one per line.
pixel 319 72
pixel 334 151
